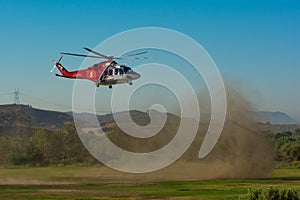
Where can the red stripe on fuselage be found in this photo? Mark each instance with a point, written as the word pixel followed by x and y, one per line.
pixel 91 73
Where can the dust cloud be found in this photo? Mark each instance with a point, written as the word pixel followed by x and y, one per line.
pixel 241 152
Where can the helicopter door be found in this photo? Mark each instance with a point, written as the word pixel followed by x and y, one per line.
pixel 116 71
pixel 121 72
pixel 110 72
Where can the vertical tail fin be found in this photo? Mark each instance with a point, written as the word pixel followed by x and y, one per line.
pixel 62 70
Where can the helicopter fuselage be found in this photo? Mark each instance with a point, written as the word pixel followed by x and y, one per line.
pixel 108 72
pixel 103 73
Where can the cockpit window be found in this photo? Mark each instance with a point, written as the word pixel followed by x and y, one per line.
pixel 126 69
pixel 116 71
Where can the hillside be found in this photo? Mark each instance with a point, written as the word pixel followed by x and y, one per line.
pixel 12 116
pixel 26 116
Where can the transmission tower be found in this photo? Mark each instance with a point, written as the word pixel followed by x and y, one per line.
pixel 16 96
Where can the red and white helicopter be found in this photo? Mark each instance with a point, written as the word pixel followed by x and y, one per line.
pixel 108 72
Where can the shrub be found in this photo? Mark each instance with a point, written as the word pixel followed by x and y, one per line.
pixel 271 194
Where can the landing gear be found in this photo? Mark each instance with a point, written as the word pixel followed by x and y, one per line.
pixel 130 83
pixel 97 84
pixel 110 86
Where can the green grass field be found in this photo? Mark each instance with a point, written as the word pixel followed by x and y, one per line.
pixel 102 183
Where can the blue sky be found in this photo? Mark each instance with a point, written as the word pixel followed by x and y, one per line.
pixel 254 43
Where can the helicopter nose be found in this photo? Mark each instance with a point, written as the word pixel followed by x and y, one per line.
pixel 133 75
pixel 137 75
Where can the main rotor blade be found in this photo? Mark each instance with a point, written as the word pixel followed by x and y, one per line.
pixel 134 54
pixel 82 55
pixel 99 54
pixel 137 58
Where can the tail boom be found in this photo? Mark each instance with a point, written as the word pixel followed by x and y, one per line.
pixel 90 74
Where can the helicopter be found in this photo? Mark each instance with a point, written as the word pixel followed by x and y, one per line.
pixel 107 72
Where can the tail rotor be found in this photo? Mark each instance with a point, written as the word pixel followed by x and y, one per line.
pixel 55 62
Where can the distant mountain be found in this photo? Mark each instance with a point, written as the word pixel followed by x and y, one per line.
pixel 274 118
pixel 14 118
pixel 260 117
pixel 26 116
pixel 139 117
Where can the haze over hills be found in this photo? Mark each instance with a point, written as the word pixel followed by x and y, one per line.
pixel 274 118
pixel 13 115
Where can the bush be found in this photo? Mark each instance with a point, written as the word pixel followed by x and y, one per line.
pixel 271 194
pixel 18 159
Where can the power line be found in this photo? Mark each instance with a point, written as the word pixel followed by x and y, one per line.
pixel 60 105
pixel 4 94
pixel 46 101
pixel 16 93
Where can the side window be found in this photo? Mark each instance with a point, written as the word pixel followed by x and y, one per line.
pixel 110 72
pixel 116 71
pixel 121 71
pixel 105 73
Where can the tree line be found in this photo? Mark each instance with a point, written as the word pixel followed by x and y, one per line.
pixel 287 147
pixel 44 147
pixel 64 147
